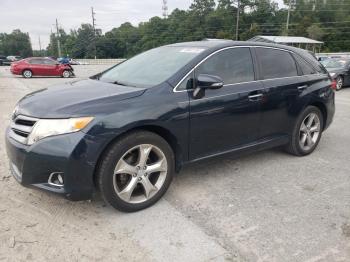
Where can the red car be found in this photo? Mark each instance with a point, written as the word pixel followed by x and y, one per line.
pixel 39 66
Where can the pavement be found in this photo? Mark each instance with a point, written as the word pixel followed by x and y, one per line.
pixel 267 206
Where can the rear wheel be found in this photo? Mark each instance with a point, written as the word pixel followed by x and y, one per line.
pixel 136 171
pixel 307 132
pixel 340 83
pixel 27 73
pixel 66 74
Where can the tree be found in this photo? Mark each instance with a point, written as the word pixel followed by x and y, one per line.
pixel 322 20
pixel 16 43
pixel 315 32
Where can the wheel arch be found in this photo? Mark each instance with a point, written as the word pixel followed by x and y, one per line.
pixel 26 69
pixel 323 110
pixel 161 131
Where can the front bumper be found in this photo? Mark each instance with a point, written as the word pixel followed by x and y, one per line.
pixel 66 154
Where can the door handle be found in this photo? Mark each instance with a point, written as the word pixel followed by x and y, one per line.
pixel 255 97
pixel 301 88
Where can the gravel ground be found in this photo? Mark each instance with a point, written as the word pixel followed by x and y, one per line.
pixel 267 206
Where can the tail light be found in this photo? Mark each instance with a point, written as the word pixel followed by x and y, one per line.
pixel 334 84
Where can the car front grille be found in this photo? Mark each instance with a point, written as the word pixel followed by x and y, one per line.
pixel 21 126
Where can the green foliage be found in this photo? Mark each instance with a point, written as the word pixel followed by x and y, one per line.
pixel 327 21
pixel 16 43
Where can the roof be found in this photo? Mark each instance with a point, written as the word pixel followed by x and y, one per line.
pixel 207 43
pixel 284 39
pixel 212 45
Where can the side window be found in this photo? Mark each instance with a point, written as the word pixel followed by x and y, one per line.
pixel 306 68
pixel 187 83
pixel 276 63
pixel 35 61
pixel 49 62
pixel 234 65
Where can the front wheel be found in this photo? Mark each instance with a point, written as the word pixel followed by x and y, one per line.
pixel 306 132
pixel 66 74
pixel 136 171
pixel 339 82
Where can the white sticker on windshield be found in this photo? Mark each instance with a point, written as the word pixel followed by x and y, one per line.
pixel 192 50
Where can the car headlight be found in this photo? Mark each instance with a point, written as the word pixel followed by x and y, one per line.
pixel 332 74
pixel 52 127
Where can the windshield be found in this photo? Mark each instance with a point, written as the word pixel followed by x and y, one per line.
pixel 152 67
pixel 332 63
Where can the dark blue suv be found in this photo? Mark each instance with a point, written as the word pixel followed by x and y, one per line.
pixel 126 131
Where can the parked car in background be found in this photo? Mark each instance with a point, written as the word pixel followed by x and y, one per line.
pixel 4 60
pixel 74 62
pixel 339 70
pixel 322 58
pixel 67 60
pixel 127 130
pixel 38 66
pixel 14 58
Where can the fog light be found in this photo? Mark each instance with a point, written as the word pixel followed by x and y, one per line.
pixel 56 179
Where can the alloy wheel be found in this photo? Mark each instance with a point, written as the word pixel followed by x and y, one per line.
pixel 309 131
pixel 140 173
pixel 66 74
pixel 339 83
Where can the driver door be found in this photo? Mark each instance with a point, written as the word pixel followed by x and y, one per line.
pixel 50 67
pixel 229 117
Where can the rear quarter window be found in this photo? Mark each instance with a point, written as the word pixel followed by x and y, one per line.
pixel 316 64
pixel 305 66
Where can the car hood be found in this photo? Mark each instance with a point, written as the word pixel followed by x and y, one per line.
pixel 77 98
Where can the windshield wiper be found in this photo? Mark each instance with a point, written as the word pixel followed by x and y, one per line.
pixel 122 84
pixel 119 83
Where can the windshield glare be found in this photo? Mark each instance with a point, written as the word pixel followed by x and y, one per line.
pixel 151 67
pixel 331 63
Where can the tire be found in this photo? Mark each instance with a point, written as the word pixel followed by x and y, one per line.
pixel 66 74
pixel 340 83
pixel 309 134
pixel 123 175
pixel 27 73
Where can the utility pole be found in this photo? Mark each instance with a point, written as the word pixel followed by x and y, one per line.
pixel 237 20
pixel 288 16
pixel 39 45
pixel 58 40
pixel 93 26
pixel 165 8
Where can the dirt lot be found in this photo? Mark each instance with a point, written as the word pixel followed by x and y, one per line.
pixel 269 206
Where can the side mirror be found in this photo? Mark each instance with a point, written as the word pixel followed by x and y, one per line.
pixel 204 82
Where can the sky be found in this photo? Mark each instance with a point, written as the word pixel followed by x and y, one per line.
pixel 38 17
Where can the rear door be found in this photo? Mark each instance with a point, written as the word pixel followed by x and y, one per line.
pixel 49 67
pixel 228 117
pixel 283 83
